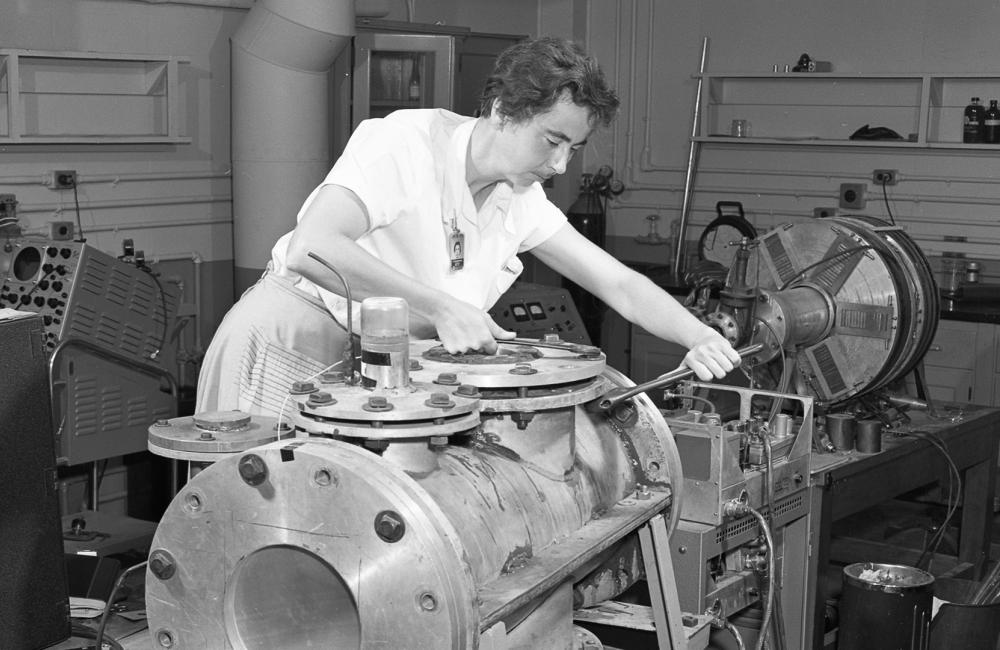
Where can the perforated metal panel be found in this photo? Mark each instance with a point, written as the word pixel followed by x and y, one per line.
pixel 104 320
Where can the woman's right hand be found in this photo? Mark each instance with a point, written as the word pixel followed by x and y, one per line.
pixel 461 327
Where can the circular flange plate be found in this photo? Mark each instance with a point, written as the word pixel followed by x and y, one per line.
pixel 421 410
pixel 183 439
pixel 553 364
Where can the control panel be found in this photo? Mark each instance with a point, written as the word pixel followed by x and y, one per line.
pixel 84 293
pixel 534 310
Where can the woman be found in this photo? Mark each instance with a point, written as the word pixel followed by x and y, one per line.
pixel 434 207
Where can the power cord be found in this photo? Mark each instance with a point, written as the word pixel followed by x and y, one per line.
pixel 885 197
pixel 79 224
pixel 953 494
pixel 99 642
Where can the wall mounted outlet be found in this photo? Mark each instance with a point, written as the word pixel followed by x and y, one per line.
pixel 61 179
pixel 852 196
pixel 61 230
pixel 885 176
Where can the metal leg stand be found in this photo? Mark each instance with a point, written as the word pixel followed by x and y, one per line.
pixel 654 541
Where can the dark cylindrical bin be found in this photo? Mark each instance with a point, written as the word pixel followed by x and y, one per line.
pixel 840 428
pixel 869 436
pixel 885 607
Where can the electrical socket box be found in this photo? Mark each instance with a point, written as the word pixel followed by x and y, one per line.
pixel 61 230
pixel 852 196
pixel 885 176
pixel 62 179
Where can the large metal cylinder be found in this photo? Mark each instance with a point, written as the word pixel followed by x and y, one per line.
pixel 391 522
pixel 853 298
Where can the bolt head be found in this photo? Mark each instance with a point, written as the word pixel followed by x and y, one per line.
pixel 389 526
pixel 162 564
pixel 253 470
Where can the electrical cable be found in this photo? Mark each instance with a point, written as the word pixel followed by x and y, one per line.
pixel 740 509
pixel 163 304
pixel 79 223
pixel 885 197
pixel 348 352
pixel 704 400
pixel 99 644
pixel 774 589
pixel 84 632
pixel 736 634
pixel 935 541
pixel 826 260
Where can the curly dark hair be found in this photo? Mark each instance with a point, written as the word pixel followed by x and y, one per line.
pixel 530 77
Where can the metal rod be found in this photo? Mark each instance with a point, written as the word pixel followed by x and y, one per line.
pixel 691 165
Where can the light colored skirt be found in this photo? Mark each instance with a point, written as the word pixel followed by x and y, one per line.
pixel 273 336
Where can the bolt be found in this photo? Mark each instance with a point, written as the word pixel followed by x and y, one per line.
pixel 682 549
pixel 323 477
pixel 162 564
pixel 439 400
pixel 282 426
pixel 447 379
pixel 162 423
pixel 322 398
pixel 523 369
pixel 438 441
pixel 389 526
pixel 415 365
pixel 467 390
pixel 165 639
pixel 253 470
pixel 377 403
pixel 302 387
pixel 428 602
pixel 206 435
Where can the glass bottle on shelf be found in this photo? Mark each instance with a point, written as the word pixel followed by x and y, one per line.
pixel 992 123
pixel 973 128
pixel 414 90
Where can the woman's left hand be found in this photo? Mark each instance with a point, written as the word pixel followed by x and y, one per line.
pixel 712 357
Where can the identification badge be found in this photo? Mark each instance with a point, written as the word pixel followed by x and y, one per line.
pixel 456 247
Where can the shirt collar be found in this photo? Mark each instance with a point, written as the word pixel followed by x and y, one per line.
pixel 460 196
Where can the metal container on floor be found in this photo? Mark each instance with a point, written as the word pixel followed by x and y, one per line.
pixel 885 607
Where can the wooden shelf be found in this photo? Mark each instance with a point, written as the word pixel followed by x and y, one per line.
pixel 88 97
pixel 825 108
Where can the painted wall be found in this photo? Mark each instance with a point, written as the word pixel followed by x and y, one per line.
pixel 173 201
pixel 655 46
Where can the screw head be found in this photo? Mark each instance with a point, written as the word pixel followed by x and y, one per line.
pixel 389 526
pixel 162 564
pixel 253 470
pixel 447 379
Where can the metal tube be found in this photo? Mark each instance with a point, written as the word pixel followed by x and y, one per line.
pixel 692 163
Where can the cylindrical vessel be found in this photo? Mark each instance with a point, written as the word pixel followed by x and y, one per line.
pixel 336 540
pixel 385 343
pixel 840 428
pixel 885 607
pixel 869 438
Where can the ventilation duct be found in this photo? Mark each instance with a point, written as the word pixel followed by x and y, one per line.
pixel 281 54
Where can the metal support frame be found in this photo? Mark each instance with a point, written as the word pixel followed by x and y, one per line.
pixel 654 540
